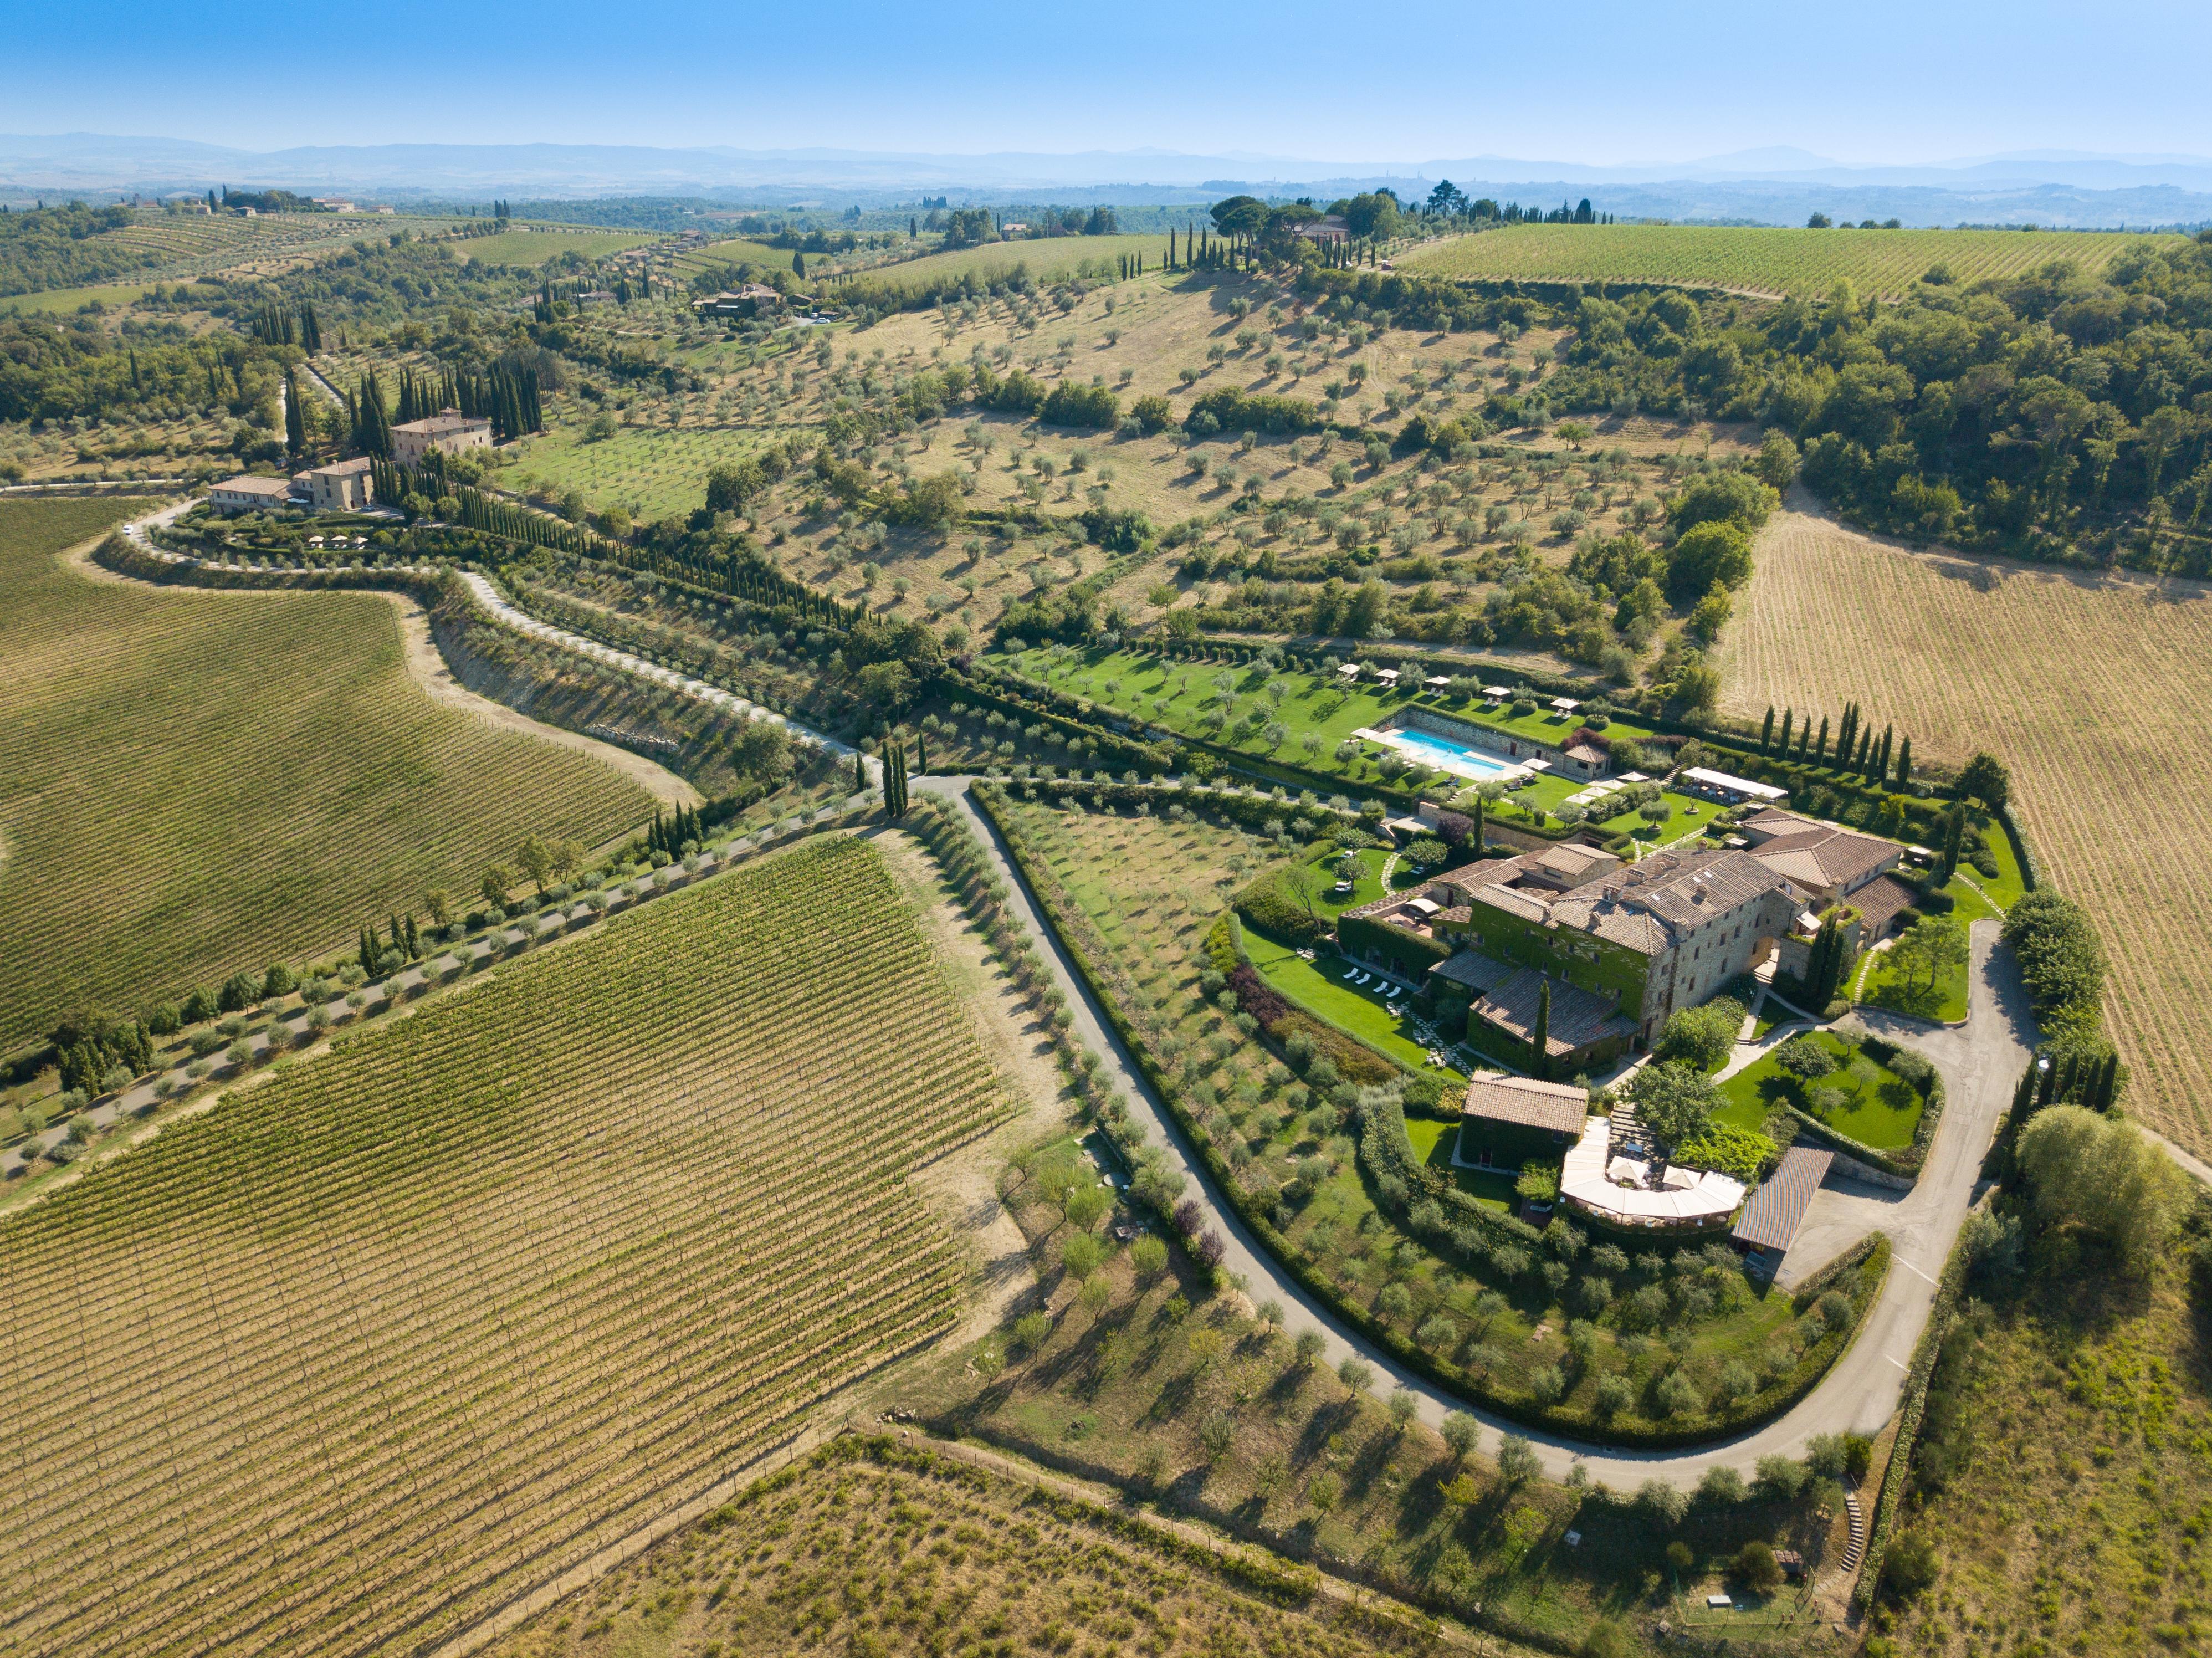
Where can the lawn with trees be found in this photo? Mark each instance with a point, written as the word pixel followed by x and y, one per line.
pixel 1563 1326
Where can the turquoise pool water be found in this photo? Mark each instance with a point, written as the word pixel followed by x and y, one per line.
pixel 1457 758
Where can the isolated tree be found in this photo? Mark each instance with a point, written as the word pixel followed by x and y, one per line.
pixel 2099 1173
pixel 1674 1101
pixel 1985 779
pixel 1756 1568
pixel 535 859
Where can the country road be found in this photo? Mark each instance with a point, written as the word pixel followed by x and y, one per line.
pixel 1979 1062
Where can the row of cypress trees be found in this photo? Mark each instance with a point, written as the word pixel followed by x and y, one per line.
pixel 669 835
pixel 1857 750
pixel 273 325
pixel 895 790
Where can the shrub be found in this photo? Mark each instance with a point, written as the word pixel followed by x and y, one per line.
pixel 1091 407
pixel 1756 1567
pixel 1805 1057
pixel 1702 1037
pixel 1721 1484
pixel 1910 1565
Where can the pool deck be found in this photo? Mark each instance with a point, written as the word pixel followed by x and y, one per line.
pixel 1445 755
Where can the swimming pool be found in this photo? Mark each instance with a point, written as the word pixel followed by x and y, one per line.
pixel 1457 758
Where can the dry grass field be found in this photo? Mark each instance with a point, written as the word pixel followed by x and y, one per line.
pixel 408 1329
pixel 2087 685
pixel 873 1548
pixel 1141 337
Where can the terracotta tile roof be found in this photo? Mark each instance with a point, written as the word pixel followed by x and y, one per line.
pixel 1814 855
pixel 1878 903
pixel 1579 1016
pixel 1641 907
pixel 1497 1098
pixel 1473 970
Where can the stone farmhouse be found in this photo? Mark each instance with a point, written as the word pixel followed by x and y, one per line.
pixel 1619 946
pixel 448 431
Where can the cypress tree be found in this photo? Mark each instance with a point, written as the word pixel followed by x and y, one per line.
pixel 920 753
pixel 2046 1083
pixel 1766 731
pixel 1866 743
pixel 1475 839
pixel 296 428
pixel 1788 715
pixel 1821 748
pixel 1904 762
pixel 1539 1065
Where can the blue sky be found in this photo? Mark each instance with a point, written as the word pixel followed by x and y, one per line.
pixel 1598 81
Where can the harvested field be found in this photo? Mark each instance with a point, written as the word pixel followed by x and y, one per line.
pixel 2084 685
pixel 192 784
pixel 407 1329
pixel 1753 258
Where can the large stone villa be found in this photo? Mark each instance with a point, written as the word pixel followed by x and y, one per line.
pixel 1620 946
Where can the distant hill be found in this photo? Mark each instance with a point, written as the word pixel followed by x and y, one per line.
pixel 1762 186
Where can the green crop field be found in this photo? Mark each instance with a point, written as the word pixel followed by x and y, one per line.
pixel 413 1327
pixel 1756 260
pixel 653 474
pixel 534 247
pixel 734 251
pixel 1047 260
pixel 194 783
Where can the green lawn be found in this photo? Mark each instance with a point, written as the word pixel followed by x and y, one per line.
pixel 1320 986
pixel 1316 711
pixel 1433 1143
pixel 1883 985
pixel 1880 1109
pixel 653 473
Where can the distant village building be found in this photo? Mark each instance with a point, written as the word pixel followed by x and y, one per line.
pixel 249 494
pixel 1014 230
pixel 334 204
pixel 1330 228
pixel 347 487
pixel 449 431
pixel 753 300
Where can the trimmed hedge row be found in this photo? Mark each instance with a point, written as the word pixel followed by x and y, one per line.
pixel 1067 920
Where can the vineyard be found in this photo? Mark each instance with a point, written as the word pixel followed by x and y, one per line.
pixel 1756 259
pixel 196 783
pixel 1048 259
pixel 346 1362
pixel 653 474
pixel 2076 682
pixel 534 247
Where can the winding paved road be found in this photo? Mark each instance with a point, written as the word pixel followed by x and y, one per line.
pixel 1979 1062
